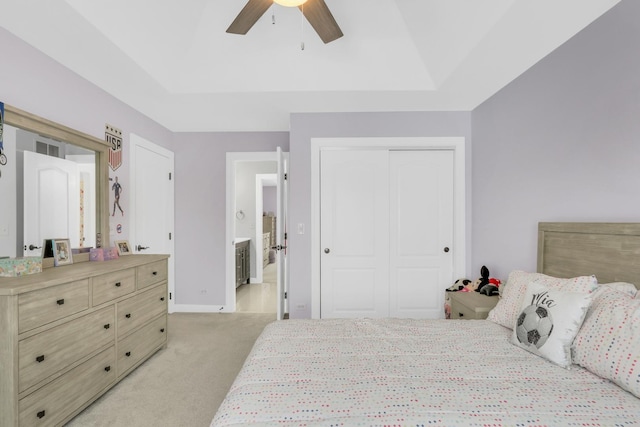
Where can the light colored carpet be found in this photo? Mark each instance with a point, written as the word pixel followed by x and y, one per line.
pixel 184 384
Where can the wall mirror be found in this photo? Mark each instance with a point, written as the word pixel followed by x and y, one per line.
pixel 47 154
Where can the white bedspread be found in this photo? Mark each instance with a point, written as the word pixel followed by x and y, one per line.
pixel 400 372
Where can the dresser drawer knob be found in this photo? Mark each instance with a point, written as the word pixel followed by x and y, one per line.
pixel 41 414
pixel 162 330
pixel 155 273
pixel 107 326
pixel 107 368
pixel 128 354
pixel 118 284
pixel 128 315
pixel 40 358
pixel 60 301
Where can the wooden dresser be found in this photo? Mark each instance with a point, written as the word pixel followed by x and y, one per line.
pixel 70 333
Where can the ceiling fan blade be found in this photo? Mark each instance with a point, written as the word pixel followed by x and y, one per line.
pixel 248 16
pixel 321 19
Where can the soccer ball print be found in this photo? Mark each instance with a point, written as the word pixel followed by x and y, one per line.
pixel 534 326
pixel 548 322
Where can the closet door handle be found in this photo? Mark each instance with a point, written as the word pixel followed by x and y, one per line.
pixel 107 326
pixel 40 358
pixel 41 414
pixel 161 298
pixel 60 301
pixel 107 368
pixel 128 354
pixel 327 250
pixel 162 330
pixel 118 284
pixel 128 315
pixel 446 249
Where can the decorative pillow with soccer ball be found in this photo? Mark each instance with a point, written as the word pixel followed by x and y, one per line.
pixel 549 321
pixel 508 308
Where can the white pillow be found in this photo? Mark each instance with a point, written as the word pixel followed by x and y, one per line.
pixel 548 322
pixel 627 288
pixel 508 308
pixel 608 344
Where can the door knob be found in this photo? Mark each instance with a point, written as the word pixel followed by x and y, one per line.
pixel 327 250
pixel 446 249
pixel 141 248
pixel 32 247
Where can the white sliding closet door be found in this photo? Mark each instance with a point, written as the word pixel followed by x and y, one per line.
pixel 386 221
pixel 354 244
pixel 420 230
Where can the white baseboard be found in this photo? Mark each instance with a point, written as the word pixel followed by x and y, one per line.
pixel 189 308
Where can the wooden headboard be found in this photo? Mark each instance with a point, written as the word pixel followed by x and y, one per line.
pixel 611 251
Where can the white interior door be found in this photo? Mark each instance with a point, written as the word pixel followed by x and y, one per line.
pixel 421 232
pixel 281 233
pixel 354 242
pixel 51 201
pixel 151 201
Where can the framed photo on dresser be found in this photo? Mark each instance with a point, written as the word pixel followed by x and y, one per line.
pixel 61 252
pixel 123 247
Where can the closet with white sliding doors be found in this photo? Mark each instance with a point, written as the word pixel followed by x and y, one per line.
pixel 386 231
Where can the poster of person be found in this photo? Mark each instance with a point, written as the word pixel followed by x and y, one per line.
pixel 117 191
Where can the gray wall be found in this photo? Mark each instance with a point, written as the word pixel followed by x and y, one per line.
pixel 560 143
pixel 304 127
pixel 200 188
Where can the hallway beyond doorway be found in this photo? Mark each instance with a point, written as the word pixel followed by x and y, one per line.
pixel 258 297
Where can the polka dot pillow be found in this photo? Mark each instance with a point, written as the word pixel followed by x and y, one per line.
pixel 608 344
pixel 508 308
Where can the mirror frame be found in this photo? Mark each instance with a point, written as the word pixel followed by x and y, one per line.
pixel 21 119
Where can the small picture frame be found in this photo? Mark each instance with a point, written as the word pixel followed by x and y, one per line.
pixel 47 248
pixel 61 252
pixel 123 247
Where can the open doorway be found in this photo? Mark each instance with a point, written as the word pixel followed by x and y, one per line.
pixel 260 295
pixel 251 180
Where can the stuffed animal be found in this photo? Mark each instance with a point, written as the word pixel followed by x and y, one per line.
pixel 484 278
pixel 458 285
pixel 492 288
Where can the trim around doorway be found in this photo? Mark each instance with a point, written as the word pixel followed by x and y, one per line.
pixel 456 144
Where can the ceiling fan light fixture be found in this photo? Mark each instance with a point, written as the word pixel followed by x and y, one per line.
pixel 290 3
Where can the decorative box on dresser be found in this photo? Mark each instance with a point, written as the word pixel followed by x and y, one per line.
pixel 70 333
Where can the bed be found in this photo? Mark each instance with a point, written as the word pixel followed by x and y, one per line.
pixel 407 372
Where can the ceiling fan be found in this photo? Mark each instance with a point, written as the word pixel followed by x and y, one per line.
pixel 316 12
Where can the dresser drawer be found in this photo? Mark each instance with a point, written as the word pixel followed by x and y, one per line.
pixel 44 306
pixel 50 351
pixel 139 344
pixel 53 403
pixel 151 273
pixel 138 310
pixel 113 285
